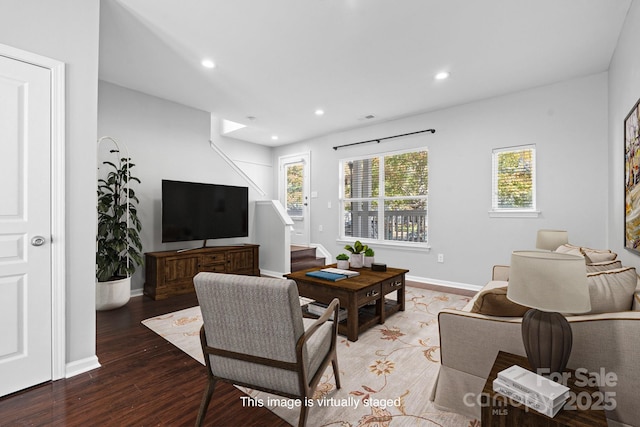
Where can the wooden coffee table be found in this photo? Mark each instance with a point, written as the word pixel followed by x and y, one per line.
pixel 363 296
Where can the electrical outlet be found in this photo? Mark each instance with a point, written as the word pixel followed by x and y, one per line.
pixel 440 257
pixel 320 228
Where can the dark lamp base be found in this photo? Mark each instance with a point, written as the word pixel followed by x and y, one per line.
pixel 547 340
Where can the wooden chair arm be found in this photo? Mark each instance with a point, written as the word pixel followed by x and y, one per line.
pixel 333 308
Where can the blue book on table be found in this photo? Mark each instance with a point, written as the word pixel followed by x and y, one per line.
pixel 334 277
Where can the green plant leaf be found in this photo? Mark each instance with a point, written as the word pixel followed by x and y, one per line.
pixel 357 247
pixel 118 240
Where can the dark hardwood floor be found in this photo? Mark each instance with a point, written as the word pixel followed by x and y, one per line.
pixel 143 381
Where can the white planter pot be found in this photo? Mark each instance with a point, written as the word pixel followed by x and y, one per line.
pixel 356 260
pixel 113 294
pixel 368 260
pixel 343 265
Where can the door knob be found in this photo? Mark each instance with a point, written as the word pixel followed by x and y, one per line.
pixel 38 241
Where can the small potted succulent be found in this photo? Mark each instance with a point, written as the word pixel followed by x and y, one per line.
pixel 369 257
pixel 357 254
pixel 343 261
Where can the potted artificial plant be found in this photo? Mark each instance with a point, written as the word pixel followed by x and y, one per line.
pixel 118 239
pixel 369 257
pixel 357 254
pixel 343 261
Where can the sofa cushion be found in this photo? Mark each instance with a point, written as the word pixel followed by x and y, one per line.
pixel 590 255
pixel 494 302
pixel 598 255
pixel 492 284
pixel 612 290
pixel 603 266
pixel 570 249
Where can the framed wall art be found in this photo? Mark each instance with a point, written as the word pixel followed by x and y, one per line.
pixel 632 180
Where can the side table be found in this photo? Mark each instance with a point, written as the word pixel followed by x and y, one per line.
pixel 499 411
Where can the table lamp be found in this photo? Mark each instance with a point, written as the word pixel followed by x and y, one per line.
pixel 550 240
pixel 550 283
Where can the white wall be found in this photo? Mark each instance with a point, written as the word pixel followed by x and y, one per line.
pixel 567 122
pixel 624 91
pixel 167 140
pixel 253 159
pixel 67 30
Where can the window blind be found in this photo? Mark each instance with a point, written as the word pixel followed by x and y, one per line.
pixel 385 197
pixel 514 171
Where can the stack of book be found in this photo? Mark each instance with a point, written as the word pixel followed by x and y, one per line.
pixel 319 308
pixel 532 390
pixel 333 274
pixel 348 273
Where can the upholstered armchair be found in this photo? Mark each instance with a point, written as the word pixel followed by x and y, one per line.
pixel 254 335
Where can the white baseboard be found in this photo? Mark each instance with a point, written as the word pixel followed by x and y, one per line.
pixel 136 292
pixel 446 283
pixel 81 366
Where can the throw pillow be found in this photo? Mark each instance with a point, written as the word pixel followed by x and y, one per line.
pixel 494 302
pixel 612 290
pixel 570 249
pixel 590 255
pixel 598 255
pixel 603 266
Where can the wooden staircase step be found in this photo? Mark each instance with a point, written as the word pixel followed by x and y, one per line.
pixel 307 263
pixel 302 252
pixel 303 257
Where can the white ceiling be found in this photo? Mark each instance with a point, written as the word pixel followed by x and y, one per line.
pixel 280 60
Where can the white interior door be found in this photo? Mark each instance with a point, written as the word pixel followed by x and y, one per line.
pixel 25 225
pixel 294 195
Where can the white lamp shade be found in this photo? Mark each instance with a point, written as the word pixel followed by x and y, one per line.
pixel 550 240
pixel 549 281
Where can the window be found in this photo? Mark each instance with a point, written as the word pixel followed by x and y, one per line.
pixel 514 180
pixel 294 194
pixel 384 197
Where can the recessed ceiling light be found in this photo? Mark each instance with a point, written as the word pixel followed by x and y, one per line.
pixel 319 112
pixel 274 137
pixel 442 75
pixel 207 63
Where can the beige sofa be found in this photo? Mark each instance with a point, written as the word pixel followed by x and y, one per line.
pixel 470 343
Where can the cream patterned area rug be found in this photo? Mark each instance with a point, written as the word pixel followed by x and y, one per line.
pixel 386 375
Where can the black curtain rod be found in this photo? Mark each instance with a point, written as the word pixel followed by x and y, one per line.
pixel 382 139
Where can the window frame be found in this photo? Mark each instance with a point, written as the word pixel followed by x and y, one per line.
pixel 380 200
pixel 498 212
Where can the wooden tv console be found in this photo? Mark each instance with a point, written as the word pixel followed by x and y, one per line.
pixel 170 273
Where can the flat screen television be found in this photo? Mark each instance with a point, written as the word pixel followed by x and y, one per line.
pixel 198 211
